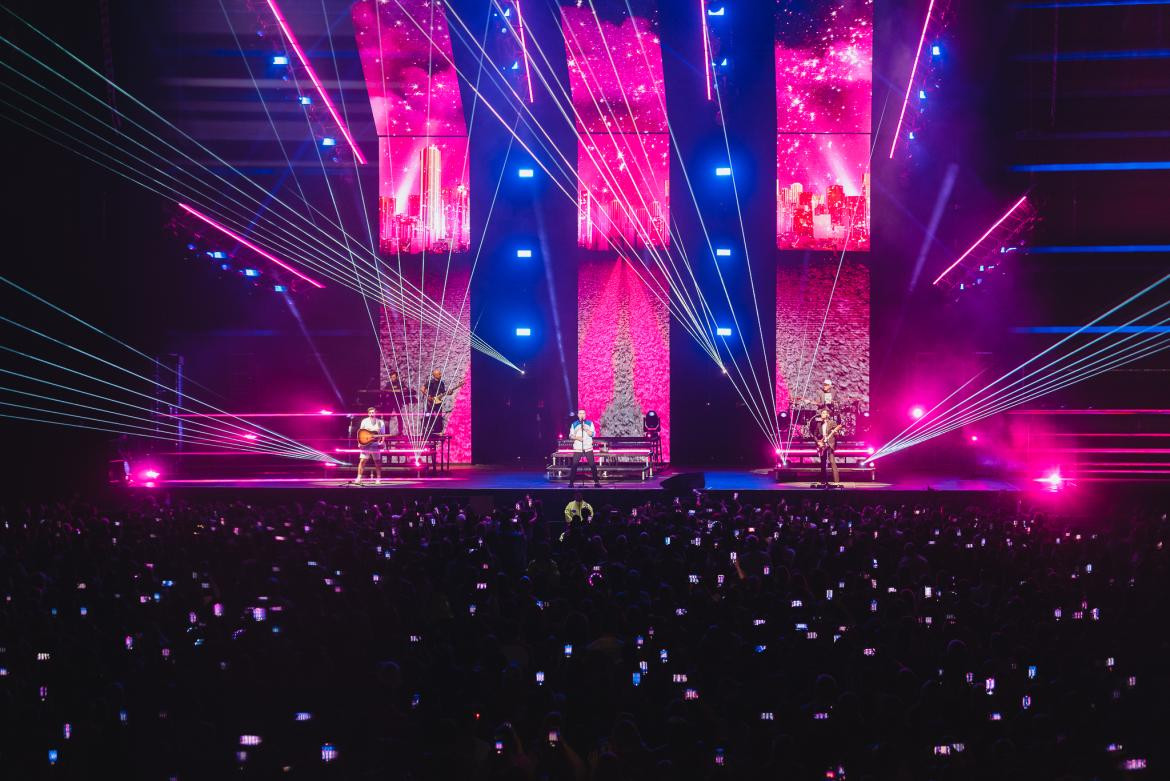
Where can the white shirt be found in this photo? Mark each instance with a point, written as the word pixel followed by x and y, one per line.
pixel 582 435
pixel 376 425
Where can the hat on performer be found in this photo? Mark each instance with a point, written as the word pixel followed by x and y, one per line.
pixel 828 382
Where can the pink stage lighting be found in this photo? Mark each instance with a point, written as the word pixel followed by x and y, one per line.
pixel 974 437
pixel 249 436
pixel 324 411
pixel 990 230
pixel 263 253
pixel 150 474
pixel 917 412
pixel 1053 481
pixel 296 47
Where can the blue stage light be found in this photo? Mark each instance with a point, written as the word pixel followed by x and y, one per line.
pixel 524 332
pixel 328 141
pixel 306 100
pixel 1149 165
pixel 922 94
pixel 720 11
pixel 218 254
pixel 280 288
pixel 723 170
pixel 516 65
pixel 722 331
pixel 526 173
pixel 523 253
pixel 225 266
pixel 935 50
pixel 911 135
pixel 279 59
pixel 190 246
pixel 723 252
pixel 251 272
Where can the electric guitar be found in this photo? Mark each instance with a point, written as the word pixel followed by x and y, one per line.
pixel 821 442
pixel 438 398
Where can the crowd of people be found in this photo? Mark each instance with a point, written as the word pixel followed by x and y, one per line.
pixel 705 636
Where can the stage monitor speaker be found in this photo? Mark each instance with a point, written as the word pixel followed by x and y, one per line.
pixel 684 483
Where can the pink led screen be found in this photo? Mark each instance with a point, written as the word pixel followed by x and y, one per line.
pixel 423 192
pixel 623 155
pixel 414 349
pixel 623 352
pixel 804 291
pixel 824 87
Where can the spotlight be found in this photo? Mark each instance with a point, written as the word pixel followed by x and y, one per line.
pixel 723 170
pixel 911 135
pixel 1052 481
pixel 723 332
pixel 723 252
pixel 779 451
pixel 225 266
pixel 306 100
pixel 922 94
pixel 328 141
pixel 720 11
pixel 524 332
pixel 651 424
pixel 974 437
pixel 526 173
pixel 251 272
pixel 917 412
pixel 935 50
pixel 280 288
pixel 150 473
pixel 324 411
pixel 218 254
pixel 523 253
pixel 279 59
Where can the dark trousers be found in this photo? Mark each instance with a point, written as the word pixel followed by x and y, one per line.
pixel 828 460
pixel 576 460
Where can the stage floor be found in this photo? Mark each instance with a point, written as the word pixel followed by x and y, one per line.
pixel 492 479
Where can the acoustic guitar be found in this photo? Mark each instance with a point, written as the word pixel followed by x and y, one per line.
pixel 365 437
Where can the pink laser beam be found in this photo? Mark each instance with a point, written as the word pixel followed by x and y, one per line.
pixel 292 39
pixel 263 253
pixel 981 238
pixel 910 83
pixel 706 47
pixel 524 49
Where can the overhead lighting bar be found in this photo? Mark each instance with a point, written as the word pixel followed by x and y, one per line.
pixel 1145 165
pixel 296 47
pixel 263 253
pixel 910 81
pixel 990 230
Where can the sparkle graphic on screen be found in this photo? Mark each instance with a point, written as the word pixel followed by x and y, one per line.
pixel 423 192
pixel 615 73
pixel 824 85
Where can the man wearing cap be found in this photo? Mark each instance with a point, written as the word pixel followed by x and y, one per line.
pixel 582 433
pixel 825 397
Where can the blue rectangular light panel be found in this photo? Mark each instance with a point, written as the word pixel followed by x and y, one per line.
pixel 723 170
pixel 524 332
pixel 526 173
pixel 251 272
pixel 328 141
pixel 722 252
pixel 723 332
pixel 523 253
pixel 280 59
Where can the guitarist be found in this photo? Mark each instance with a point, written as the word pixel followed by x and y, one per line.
pixel 434 390
pixel 824 430
pixel 373 450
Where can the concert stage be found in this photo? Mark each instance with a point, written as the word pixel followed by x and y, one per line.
pixel 487 479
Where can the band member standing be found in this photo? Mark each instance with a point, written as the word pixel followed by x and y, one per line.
pixel 372 451
pixel 435 389
pixel 582 433
pixel 824 430
pixel 825 397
